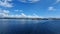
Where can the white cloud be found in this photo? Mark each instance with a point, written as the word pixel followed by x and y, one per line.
pixel 51 8
pixel 5 3
pixel 30 16
pixel 4 13
pixel 18 10
pixel 0 14
pixel 9 0
pixel 32 1
pixel 29 1
pixel 0 10
pixel 22 14
pixel 22 0
pixel 57 1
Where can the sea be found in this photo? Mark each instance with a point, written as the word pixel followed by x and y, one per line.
pixel 27 26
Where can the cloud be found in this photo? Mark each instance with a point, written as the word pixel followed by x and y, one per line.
pixel 30 16
pixel 51 8
pixel 32 1
pixel 18 10
pixel 57 1
pixel 22 14
pixel 22 0
pixel 4 13
pixel 29 1
pixel 5 3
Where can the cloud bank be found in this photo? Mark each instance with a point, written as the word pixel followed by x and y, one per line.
pixel 22 15
pixel 5 3
pixel 5 13
pixel 29 1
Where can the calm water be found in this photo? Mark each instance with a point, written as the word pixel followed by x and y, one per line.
pixel 20 26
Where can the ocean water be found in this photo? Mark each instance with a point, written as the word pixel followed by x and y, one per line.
pixel 21 26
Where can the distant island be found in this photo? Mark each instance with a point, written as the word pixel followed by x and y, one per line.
pixel 31 18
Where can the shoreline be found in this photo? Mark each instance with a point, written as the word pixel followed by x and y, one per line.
pixel 35 18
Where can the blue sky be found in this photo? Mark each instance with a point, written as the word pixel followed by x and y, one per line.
pixel 42 8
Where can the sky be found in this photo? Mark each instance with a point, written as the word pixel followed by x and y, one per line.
pixel 30 8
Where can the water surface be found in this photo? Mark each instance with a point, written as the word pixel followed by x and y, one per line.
pixel 21 26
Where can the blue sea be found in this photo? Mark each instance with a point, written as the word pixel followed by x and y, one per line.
pixel 22 26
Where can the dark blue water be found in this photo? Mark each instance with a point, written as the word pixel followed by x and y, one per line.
pixel 20 26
